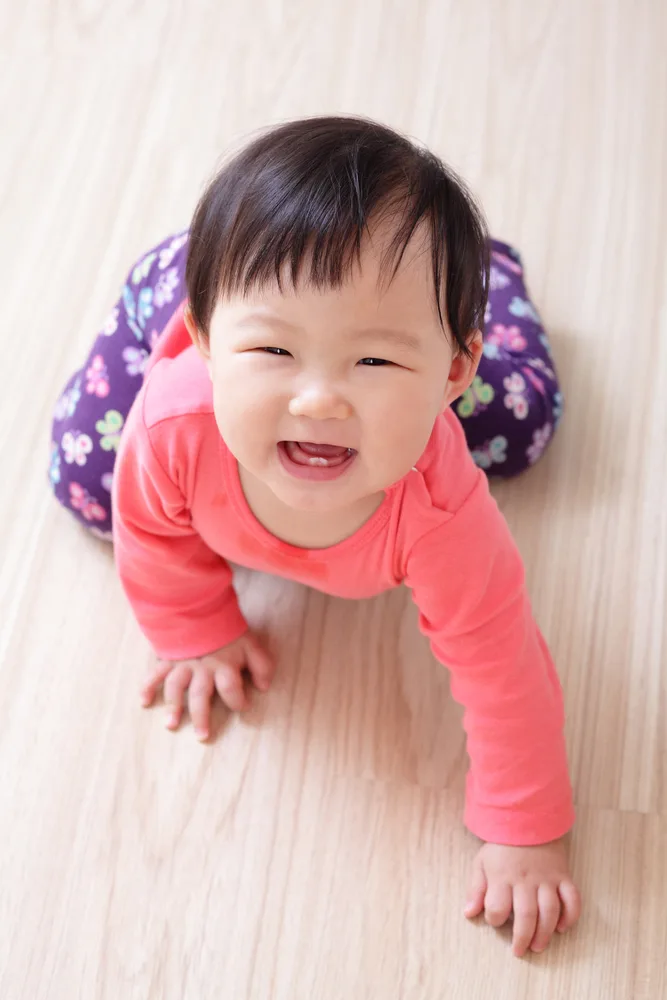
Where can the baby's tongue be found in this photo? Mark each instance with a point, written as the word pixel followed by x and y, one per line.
pixel 322 450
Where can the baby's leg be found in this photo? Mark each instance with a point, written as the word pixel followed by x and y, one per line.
pixel 513 407
pixel 93 406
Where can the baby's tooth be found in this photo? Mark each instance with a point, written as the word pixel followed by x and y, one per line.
pixel 317 460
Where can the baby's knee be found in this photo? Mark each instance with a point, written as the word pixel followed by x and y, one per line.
pixel 79 470
pixel 536 404
pixel 154 287
pixel 520 407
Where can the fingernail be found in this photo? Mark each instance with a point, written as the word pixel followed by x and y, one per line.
pixel 202 734
pixel 172 720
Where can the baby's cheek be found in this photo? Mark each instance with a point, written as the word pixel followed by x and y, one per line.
pixel 247 409
pixel 405 432
pixel 232 418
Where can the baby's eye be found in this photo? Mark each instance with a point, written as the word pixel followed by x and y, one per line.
pixel 372 362
pixel 278 351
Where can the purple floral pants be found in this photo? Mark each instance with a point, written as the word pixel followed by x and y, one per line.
pixel 509 414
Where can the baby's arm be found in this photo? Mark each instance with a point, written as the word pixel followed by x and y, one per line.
pixel 181 591
pixel 467 579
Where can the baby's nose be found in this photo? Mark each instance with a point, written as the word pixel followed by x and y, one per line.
pixel 320 403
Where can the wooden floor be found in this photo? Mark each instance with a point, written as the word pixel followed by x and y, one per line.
pixel 315 851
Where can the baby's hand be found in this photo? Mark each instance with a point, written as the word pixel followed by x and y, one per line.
pixel 221 671
pixel 532 882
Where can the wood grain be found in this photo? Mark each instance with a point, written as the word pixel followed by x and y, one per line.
pixel 316 849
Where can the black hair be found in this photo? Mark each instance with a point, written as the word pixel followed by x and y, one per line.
pixel 301 195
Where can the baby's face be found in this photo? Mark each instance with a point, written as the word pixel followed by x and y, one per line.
pixel 329 396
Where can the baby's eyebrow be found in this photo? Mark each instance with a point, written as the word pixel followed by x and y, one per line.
pixel 399 337
pixel 252 319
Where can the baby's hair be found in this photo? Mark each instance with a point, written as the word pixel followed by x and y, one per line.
pixel 297 200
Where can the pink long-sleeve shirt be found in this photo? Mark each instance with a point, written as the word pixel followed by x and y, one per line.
pixel 180 514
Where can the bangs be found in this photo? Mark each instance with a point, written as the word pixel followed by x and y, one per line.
pixel 296 204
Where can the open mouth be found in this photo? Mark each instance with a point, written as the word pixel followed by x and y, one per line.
pixel 307 460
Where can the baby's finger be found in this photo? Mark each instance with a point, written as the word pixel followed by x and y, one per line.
pixel 548 905
pixel 498 903
pixel 525 918
pixel 175 687
pixel 154 681
pixel 200 693
pixel 476 891
pixel 261 665
pixel 571 908
pixel 229 685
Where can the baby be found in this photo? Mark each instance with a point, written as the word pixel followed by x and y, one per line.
pixel 296 417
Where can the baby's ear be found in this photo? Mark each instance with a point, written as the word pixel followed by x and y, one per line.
pixel 463 369
pixel 199 339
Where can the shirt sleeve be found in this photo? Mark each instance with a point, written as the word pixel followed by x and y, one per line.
pixel 467 580
pixel 181 591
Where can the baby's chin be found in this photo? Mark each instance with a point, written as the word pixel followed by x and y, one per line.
pixel 315 501
pixel 329 499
